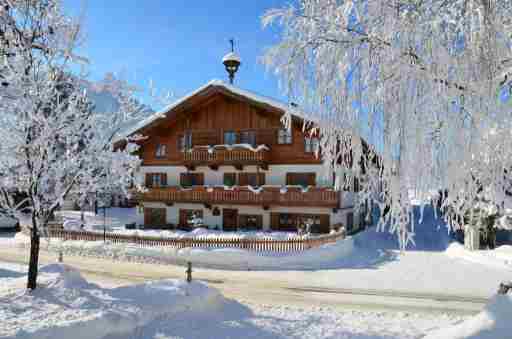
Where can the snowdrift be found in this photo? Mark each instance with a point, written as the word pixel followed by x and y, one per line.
pixel 67 306
pixel 492 323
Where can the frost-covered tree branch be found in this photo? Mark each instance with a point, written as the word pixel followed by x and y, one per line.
pixel 426 82
pixel 53 143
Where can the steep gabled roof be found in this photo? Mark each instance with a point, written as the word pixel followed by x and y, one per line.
pixel 213 84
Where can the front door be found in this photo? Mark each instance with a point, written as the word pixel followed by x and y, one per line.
pixel 230 219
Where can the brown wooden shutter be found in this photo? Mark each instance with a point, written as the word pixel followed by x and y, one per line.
pixel 289 178
pixel 199 179
pixel 325 226
pixel 243 179
pixel 261 179
pixel 164 179
pixel 149 180
pixel 147 216
pixel 274 221
pixel 311 179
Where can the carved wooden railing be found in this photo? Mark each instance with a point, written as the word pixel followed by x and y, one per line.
pixel 200 155
pixel 313 197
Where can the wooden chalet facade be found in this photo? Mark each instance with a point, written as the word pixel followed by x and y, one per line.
pixel 223 155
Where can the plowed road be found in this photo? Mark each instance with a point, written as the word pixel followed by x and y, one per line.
pixel 260 287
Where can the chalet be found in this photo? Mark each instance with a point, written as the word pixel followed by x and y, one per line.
pixel 222 155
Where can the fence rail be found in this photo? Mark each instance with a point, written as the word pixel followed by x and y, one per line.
pixel 298 244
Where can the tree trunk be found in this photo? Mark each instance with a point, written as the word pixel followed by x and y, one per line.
pixel 34 257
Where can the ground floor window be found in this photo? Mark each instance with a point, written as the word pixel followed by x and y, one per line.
pixel 250 221
pixel 292 222
pixel 187 216
pixel 155 216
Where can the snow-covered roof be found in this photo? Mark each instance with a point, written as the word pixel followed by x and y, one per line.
pixel 217 83
pixel 231 56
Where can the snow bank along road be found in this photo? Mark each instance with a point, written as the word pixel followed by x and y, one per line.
pixel 283 288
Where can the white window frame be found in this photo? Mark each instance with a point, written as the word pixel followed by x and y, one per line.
pixel 284 136
pixel 310 144
pixel 161 151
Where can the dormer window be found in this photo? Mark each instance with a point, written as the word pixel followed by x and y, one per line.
pixel 284 136
pixel 310 144
pixel 161 151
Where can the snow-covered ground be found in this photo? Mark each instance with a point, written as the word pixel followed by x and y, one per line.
pixel 324 256
pixel 492 323
pixel 67 306
pixel 117 218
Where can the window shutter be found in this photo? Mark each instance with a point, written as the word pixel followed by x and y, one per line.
pixel 164 179
pixel 243 179
pixel 311 179
pixel 261 179
pixel 149 181
pixel 289 178
pixel 200 179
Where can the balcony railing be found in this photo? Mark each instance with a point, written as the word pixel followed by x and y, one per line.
pixel 266 196
pixel 222 155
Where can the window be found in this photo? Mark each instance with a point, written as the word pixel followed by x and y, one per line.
pixel 301 179
pixel 154 216
pixel 251 222
pixel 185 142
pixel 161 151
pixel 156 180
pixel 229 138
pixel 251 179
pixel 318 223
pixel 191 179
pixel 310 144
pixel 248 137
pixel 188 216
pixel 229 179
pixel 284 136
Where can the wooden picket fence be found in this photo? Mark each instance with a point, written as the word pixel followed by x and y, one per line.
pixel 297 244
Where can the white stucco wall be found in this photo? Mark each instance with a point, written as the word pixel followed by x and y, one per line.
pixel 216 221
pixel 276 175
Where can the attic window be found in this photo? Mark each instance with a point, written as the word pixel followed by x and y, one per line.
pixel 161 151
pixel 310 144
pixel 284 136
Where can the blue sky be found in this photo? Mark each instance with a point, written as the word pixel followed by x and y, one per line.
pixel 178 44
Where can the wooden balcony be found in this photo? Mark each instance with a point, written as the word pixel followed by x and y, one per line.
pixel 236 156
pixel 268 196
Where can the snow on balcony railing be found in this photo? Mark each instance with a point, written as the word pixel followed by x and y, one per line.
pixel 245 195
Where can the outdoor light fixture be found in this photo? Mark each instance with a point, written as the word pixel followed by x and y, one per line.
pixel 232 62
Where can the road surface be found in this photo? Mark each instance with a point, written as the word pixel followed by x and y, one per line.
pixel 261 287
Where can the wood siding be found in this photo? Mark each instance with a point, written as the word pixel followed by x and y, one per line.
pixel 207 119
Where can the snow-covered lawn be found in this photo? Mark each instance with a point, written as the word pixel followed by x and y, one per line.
pixel 67 306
